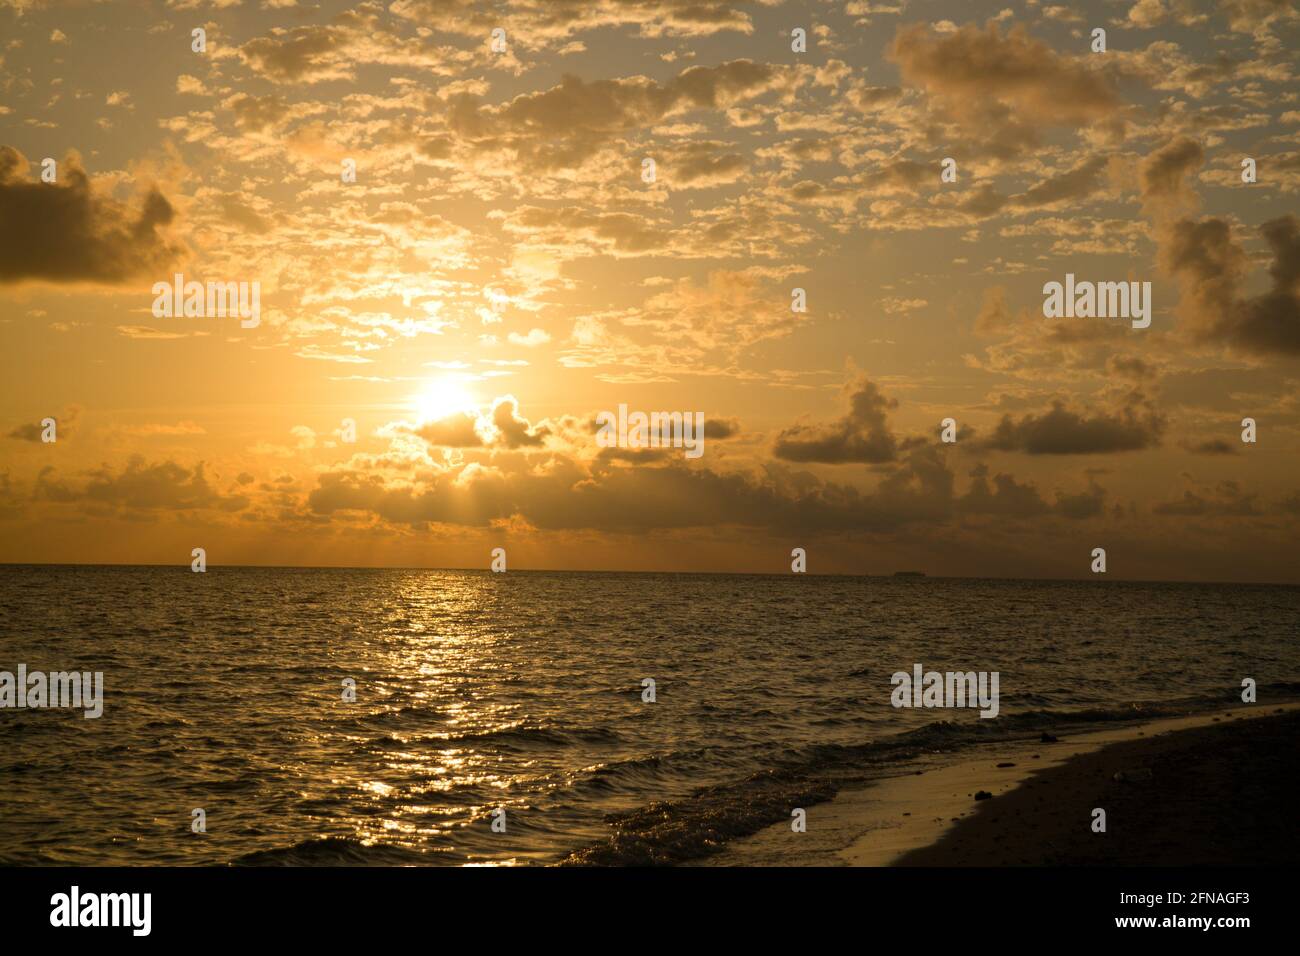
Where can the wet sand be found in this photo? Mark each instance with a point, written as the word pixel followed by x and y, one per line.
pixel 1222 795
pixel 1221 789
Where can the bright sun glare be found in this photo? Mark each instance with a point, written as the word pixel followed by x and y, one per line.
pixel 441 398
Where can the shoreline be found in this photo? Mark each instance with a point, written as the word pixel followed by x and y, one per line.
pixel 928 814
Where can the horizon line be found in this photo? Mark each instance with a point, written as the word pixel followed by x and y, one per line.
pixel 909 575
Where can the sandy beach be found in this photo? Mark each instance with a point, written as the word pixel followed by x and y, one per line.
pixel 1216 788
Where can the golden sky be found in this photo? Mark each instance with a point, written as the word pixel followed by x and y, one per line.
pixel 502 270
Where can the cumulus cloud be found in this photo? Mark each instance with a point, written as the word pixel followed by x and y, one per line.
pixel 862 435
pixel 1063 431
pixel 1165 176
pixel 720 429
pixel 141 486
pixel 985 74
pixel 1004 497
pixel 67 231
pixel 532 339
pixel 612 497
pixel 514 431
pixel 65 426
pixel 454 431
pixel 1212 267
pixel 1225 498
pixel 502 427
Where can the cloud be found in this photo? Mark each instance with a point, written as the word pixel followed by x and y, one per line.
pixel 620 493
pixel 617 233
pixel 148 332
pixel 141 486
pixel 983 73
pixel 1211 446
pixel 861 436
pixel 1212 267
pixel 155 429
pixel 1005 498
pixel 613 497
pixel 1062 431
pixel 1087 504
pixel 579 123
pixel 721 429
pixel 502 427
pixel 65 426
pixel 1226 498
pixel 1085 179
pixel 65 231
pixel 319 52
pixel 1249 16
pixel 512 430
pixel 534 338
pixel 1164 177
pixel 540 23
pixel 455 431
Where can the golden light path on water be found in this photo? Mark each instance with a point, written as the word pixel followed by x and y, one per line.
pixel 444 667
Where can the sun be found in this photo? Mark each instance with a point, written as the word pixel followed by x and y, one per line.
pixel 440 398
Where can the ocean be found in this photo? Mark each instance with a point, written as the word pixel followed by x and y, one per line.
pixel 476 693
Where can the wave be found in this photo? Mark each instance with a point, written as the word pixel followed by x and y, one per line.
pixel 525 737
pixel 675 831
pixel 333 851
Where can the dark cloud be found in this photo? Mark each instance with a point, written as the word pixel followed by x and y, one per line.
pixel 720 429
pixel 1212 268
pixel 141 486
pixel 1085 179
pixel 1212 446
pixel 513 431
pixel 614 497
pixel 66 232
pixel 1005 497
pixel 29 431
pixel 1226 498
pixel 861 436
pixel 1087 504
pixel 985 75
pixel 622 492
pixel 1130 366
pixel 1164 176
pixel 636 456
pixel 1271 322
pixel 65 426
pixel 1062 431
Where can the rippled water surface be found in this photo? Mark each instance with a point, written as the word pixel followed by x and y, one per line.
pixel 522 691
